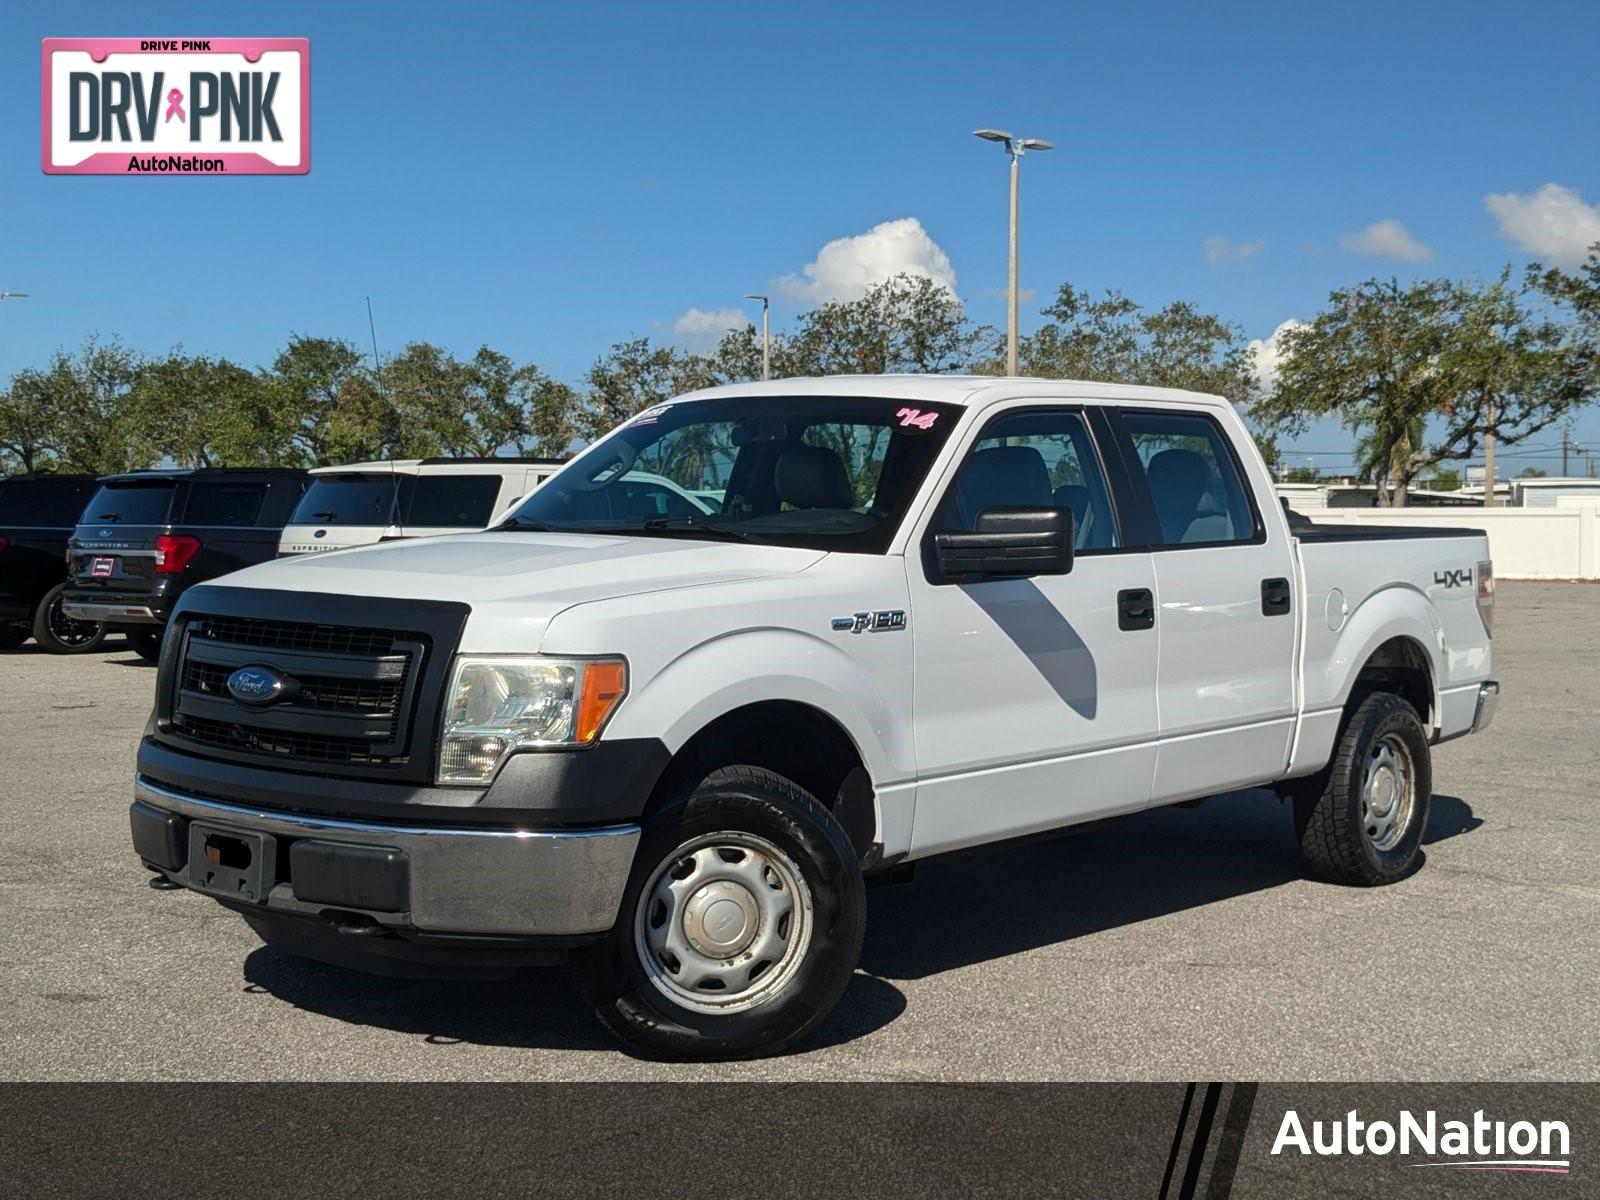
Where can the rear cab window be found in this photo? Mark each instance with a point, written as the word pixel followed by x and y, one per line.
pixel 43 504
pixel 130 504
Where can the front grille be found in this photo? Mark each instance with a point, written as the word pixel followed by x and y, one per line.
pixel 332 693
pixel 306 747
pixel 297 635
pixel 350 701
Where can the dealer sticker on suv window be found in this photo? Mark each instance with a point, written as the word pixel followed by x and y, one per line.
pixel 176 106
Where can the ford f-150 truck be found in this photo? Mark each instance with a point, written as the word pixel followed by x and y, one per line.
pixel 928 614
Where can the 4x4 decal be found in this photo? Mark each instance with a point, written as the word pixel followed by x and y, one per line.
pixel 1461 577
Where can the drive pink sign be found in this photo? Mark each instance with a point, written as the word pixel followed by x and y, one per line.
pixel 176 106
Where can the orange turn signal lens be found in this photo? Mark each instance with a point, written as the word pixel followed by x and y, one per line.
pixel 604 685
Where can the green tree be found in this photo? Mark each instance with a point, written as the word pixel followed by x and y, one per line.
pixel 1112 339
pixel 204 412
pixel 907 323
pixel 76 413
pixel 1425 372
pixel 632 377
pixel 1533 473
pixel 326 399
pixel 1446 479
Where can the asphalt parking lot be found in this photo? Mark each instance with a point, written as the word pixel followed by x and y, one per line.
pixel 1176 944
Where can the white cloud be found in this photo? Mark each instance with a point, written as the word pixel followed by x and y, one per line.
pixel 1387 239
pixel 700 331
pixel 1220 250
pixel 1269 353
pixel 846 267
pixel 1553 222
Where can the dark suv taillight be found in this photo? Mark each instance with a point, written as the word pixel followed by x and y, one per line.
pixel 3 542
pixel 174 552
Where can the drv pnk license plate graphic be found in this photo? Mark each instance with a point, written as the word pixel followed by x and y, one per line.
pixel 176 106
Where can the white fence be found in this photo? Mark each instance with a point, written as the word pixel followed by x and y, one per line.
pixel 1526 543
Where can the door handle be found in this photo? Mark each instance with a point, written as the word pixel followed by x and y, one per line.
pixel 1275 600
pixel 1136 609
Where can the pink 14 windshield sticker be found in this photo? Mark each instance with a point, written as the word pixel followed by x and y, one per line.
pixel 915 418
pixel 171 106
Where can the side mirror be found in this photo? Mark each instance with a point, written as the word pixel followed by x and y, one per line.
pixel 1010 542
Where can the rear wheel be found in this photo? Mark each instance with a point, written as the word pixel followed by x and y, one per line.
pixel 740 927
pixel 146 644
pixel 1365 826
pixel 61 634
pixel 12 636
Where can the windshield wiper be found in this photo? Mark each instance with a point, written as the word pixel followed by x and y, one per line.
pixel 526 524
pixel 689 525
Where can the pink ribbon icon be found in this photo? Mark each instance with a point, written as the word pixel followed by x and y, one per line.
pixel 175 106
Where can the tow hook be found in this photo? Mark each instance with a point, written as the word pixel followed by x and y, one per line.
pixel 352 924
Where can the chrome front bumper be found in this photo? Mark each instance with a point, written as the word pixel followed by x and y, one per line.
pixel 462 880
pixel 1488 698
pixel 109 612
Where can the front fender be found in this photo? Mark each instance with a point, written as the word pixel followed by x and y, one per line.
pixel 716 677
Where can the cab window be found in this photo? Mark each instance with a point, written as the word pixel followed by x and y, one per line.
pixel 1034 459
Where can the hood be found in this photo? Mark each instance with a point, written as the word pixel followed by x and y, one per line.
pixel 523 579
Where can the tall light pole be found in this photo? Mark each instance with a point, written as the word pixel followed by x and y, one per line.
pixel 766 337
pixel 1015 148
pixel 13 295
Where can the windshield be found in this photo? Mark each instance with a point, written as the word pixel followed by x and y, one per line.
pixel 826 473
pixel 348 500
pixel 129 504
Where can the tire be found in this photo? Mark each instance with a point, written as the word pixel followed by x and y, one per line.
pixel 146 644
pixel 60 634
pixel 653 981
pixel 1365 826
pixel 12 636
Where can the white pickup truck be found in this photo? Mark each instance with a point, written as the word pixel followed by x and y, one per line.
pixel 670 743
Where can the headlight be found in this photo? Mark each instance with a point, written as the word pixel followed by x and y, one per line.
pixel 501 704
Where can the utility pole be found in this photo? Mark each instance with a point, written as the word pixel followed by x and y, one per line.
pixel 1563 453
pixel 766 338
pixel 1015 148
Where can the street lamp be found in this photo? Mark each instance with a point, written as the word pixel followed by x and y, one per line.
pixel 1015 148
pixel 766 337
pixel 13 295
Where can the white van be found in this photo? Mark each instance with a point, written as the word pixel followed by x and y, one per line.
pixel 363 503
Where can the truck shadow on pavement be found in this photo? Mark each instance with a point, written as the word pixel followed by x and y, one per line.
pixel 969 909
pixel 962 911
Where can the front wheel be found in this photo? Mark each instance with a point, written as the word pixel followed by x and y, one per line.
pixel 1365 826
pixel 740 927
pixel 61 634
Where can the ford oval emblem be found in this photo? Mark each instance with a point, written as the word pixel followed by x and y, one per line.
pixel 256 685
pixel 320 533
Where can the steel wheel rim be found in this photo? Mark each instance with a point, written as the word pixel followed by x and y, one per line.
pixel 723 922
pixel 66 630
pixel 1388 793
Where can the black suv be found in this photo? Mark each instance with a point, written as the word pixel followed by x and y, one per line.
pixel 146 537
pixel 37 513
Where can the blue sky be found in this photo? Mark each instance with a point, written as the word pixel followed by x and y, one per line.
pixel 551 178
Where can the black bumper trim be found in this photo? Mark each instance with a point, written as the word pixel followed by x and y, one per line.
pixel 608 783
pixel 406 954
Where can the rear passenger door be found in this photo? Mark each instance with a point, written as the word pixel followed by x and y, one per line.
pixel 1035 701
pixel 1224 606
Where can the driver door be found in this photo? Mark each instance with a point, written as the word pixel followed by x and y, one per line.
pixel 1034 698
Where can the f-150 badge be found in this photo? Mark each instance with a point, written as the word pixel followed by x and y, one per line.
pixel 871 622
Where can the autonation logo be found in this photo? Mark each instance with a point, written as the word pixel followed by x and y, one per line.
pixel 1480 1144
